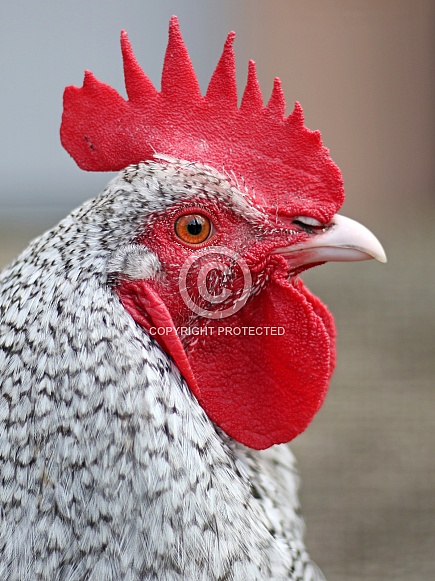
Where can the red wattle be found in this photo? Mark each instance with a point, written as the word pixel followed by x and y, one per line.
pixel 265 389
pixel 150 312
pixel 262 373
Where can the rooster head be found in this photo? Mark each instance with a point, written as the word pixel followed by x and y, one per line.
pixel 235 203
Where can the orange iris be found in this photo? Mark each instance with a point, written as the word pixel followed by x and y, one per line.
pixel 193 228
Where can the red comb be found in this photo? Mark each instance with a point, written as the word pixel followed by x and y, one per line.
pixel 270 153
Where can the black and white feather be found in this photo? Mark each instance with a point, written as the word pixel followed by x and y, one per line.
pixel 109 468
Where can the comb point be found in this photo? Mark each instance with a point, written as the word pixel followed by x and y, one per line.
pixel 174 24
pixel 179 81
pixel 222 88
pixel 252 100
pixel 137 84
pixel 276 104
pixel 90 82
pixel 296 117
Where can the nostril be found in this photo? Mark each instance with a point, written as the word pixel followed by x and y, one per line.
pixel 309 224
pixel 308 221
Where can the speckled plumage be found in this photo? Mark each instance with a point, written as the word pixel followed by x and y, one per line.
pixel 109 468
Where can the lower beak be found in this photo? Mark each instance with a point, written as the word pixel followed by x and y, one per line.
pixel 344 240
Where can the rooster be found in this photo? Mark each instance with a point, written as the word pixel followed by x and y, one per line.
pixel 158 344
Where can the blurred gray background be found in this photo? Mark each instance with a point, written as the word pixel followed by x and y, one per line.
pixel 363 71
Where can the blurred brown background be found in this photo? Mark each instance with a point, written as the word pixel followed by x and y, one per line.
pixel 363 71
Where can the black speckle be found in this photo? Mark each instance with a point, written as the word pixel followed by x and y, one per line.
pixel 255 492
pixel 88 141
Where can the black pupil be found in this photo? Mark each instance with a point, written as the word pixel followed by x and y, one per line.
pixel 194 227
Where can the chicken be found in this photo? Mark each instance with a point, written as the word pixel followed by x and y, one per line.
pixel 158 344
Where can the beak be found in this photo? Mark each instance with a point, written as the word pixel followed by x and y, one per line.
pixel 344 240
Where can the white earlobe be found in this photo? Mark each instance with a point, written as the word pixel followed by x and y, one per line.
pixel 135 262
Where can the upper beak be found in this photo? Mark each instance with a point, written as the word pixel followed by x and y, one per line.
pixel 344 240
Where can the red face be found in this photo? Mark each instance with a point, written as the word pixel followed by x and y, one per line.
pixel 256 348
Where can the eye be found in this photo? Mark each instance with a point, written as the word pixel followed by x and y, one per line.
pixel 193 228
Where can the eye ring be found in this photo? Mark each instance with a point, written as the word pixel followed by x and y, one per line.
pixel 194 228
